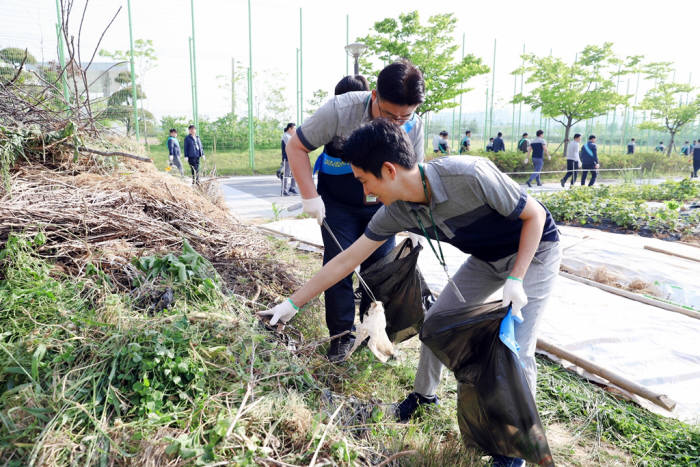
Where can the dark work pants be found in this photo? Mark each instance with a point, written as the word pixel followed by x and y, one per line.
pixel 696 166
pixel 348 224
pixel 194 166
pixel 584 172
pixel 537 163
pixel 571 167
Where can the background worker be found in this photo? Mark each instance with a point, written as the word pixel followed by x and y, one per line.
pixel 498 143
pixel 466 142
pixel 523 144
pixel 631 146
pixel 572 159
pixel 696 159
pixel 589 161
pixel 174 151
pixel 286 136
pixel 193 152
pixel 538 149
pixel 400 90
pixel 462 201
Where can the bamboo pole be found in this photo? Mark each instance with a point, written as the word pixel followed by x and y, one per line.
pixel 661 400
pixel 670 253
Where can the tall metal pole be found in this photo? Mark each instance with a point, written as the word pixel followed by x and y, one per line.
pixel 251 122
pixel 61 53
pixel 194 69
pixel 301 71
pixel 493 84
pixel 512 120
pixel 459 126
pixel 347 41
pixel 233 88
pixel 194 106
pixel 133 78
pixel 296 90
pixel 486 118
pixel 634 106
pixel 522 77
pixel 624 127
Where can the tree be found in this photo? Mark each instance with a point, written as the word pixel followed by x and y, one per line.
pixel 317 99
pixel 665 103
pixel 11 59
pixel 570 93
pixel 431 48
pixel 120 103
pixel 144 59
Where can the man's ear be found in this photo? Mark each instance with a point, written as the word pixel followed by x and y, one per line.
pixel 389 170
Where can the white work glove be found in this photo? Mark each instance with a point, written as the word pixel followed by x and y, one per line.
pixel 282 312
pixel 315 208
pixel 171 158
pixel 374 327
pixel 514 294
pixel 203 157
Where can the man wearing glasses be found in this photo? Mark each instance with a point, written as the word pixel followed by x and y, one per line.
pixel 340 199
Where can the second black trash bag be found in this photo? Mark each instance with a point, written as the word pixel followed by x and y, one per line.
pixel 396 282
pixel 495 408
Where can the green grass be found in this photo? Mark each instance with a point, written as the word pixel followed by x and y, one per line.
pixel 88 376
pixel 267 161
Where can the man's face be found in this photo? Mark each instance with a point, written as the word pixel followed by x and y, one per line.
pixel 592 140
pixel 173 134
pixel 577 139
pixel 399 114
pixel 379 187
pixel 193 131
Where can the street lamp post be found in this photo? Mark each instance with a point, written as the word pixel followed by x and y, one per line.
pixel 355 50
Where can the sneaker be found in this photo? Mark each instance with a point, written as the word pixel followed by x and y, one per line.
pixel 293 191
pixel 339 348
pixel 539 184
pixel 505 461
pixel 285 193
pixel 528 184
pixel 562 182
pixel 405 410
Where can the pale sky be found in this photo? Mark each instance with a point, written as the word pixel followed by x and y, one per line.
pixel 666 31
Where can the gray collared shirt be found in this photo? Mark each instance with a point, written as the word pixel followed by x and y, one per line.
pixel 475 207
pixel 342 115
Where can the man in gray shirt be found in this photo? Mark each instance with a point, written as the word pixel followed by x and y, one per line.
pixel 572 160
pixel 467 202
pixel 339 197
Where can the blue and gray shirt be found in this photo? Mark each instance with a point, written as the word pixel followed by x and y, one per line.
pixel 589 154
pixel 334 122
pixel 173 146
pixel 538 144
pixel 475 206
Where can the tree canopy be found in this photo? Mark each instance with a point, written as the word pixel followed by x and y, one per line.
pixel 431 47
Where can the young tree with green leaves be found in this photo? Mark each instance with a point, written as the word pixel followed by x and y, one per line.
pixel 317 99
pixel 120 106
pixel 431 47
pixel 570 93
pixel 665 103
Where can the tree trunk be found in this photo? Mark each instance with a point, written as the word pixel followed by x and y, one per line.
pixel 670 144
pixel 567 132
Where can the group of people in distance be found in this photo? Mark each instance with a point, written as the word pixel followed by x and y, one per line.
pixel 373 183
pixel 194 152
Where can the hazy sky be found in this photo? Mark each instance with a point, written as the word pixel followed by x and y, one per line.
pixel 660 31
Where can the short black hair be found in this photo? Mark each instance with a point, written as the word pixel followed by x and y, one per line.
pixel 351 83
pixel 590 137
pixel 377 142
pixel 290 125
pixel 539 133
pixel 401 83
pixel 499 134
pixel 443 133
pixel 524 135
pixel 173 130
pixel 687 142
pixel 491 138
pixel 190 127
pixel 633 139
pixel 468 132
pixel 577 135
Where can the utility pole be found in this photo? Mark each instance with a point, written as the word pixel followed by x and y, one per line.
pixel 251 121
pixel 301 71
pixel 194 70
pixel 460 96
pixel 347 41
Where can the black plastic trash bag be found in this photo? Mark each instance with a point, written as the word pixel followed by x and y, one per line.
pixel 396 282
pixel 495 408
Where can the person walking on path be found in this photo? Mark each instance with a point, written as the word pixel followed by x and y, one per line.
pixel 589 161
pixel 498 144
pixel 572 160
pixel 631 146
pixel 194 152
pixel 174 151
pixel 458 200
pixel 340 199
pixel 286 136
pixel 696 159
pixel 538 149
pixel 523 144
pixel 466 142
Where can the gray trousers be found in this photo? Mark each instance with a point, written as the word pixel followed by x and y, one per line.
pixel 477 280
pixel 176 163
pixel 288 176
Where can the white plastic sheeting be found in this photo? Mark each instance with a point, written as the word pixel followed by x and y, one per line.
pixel 651 346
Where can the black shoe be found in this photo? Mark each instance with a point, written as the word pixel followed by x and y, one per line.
pixel 339 348
pixel 528 184
pixel 293 191
pixel 285 193
pixel 539 184
pixel 505 461
pixel 562 182
pixel 405 410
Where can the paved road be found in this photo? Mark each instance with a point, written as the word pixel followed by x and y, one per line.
pixel 253 197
